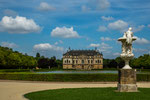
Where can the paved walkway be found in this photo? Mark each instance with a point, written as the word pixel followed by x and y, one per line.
pixel 14 90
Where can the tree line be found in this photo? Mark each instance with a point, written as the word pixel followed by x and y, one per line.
pixel 142 62
pixel 10 59
pixel 48 62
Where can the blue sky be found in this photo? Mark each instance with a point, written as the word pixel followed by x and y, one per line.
pixel 52 26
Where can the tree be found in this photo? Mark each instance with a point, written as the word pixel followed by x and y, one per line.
pixel 112 64
pixel 43 63
pixel 38 55
pixel 14 59
pixel 120 62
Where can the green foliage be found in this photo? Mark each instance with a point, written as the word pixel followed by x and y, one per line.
pixel 49 62
pixel 28 76
pixel 37 55
pixel 10 59
pixel 59 77
pixel 89 94
pixel 141 62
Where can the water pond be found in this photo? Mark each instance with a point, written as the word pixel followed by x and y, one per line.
pixel 86 72
pixel 83 72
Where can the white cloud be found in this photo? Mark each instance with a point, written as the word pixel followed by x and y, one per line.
pixel 94 45
pixel 64 32
pixel 139 28
pixel 61 42
pixel 56 43
pixel 107 18
pixel 48 50
pixel 102 4
pixel 45 7
pixel 141 41
pixel 106 39
pixel 18 25
pixel 103 47
pixel 84 8
pixel 102 28
pixel 120 25
pixel 139 50
pixel 116 54
pixel 9 12
pixel 47 46
pixel 8 44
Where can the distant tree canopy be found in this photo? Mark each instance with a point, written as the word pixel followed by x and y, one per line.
pixel 37 55
pixel 10 59
pixel 140 62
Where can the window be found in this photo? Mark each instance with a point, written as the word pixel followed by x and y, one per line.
pixel 96 61
pixel 76 61
pixel 99 61
pixel 88 61
pixel 82 61
pixel 91 61
pixel 73 61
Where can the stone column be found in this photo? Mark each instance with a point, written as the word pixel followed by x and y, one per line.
pixel 127 80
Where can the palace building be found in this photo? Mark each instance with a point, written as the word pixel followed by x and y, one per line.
pixel 83 59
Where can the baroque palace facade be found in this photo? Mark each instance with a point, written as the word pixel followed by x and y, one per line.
pixel 83 59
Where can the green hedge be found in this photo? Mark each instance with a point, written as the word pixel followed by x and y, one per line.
pixel 69 77
pixel 61 77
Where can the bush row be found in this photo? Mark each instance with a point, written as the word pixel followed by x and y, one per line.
pixel 70 77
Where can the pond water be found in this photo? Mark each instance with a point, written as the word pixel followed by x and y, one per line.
pixel 67 72
pixel 86 72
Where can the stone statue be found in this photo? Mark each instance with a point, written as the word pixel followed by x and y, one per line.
pixel 127 45
pixel 127 40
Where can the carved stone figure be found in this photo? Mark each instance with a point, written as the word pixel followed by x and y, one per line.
pixel 127 40
pixel 127 75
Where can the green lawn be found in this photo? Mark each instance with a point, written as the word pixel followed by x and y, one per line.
pixel 89 94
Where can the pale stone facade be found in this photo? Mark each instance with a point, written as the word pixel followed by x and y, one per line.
pixel 82 59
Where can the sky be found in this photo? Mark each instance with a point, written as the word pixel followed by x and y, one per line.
pixel 50 27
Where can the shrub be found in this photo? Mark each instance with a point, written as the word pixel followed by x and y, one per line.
pixel 69 77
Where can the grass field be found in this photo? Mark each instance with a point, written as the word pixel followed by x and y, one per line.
pixel 89 94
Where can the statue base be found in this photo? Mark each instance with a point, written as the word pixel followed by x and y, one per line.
pixel 127 80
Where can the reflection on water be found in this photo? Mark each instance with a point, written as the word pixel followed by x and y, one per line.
pixel 65 72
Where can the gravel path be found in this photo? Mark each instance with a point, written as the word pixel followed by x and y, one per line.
pixel 14 90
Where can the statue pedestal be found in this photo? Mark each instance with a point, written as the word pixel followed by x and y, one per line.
pixel 127 80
